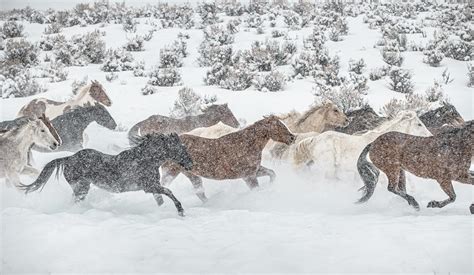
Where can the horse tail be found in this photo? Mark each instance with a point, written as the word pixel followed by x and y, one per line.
pixel 302 153
pixel 44 175
pixel 369 174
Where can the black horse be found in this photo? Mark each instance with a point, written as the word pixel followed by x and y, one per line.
pixel 442 119
pixel 132 170
pixel 71 125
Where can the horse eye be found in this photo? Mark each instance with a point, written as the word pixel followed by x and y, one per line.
pixel 42 131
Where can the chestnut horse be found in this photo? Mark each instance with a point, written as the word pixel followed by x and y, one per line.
pixel 165 125
pixel 444 157
pixel 87 96
pixel 237 155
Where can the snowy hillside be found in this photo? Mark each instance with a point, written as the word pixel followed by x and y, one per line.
pixel 303 222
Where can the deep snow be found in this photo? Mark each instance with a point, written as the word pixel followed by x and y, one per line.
pixel 300 223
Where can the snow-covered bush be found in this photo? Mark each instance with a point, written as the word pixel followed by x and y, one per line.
pixel 378 73
pixel 233 26
pixel 277 33
pixel 174 16
pixel 190 103
pixel 359 82
pixel 470 74
pixel 216 54
pixel 435 93
pixel 129 23
pixel 78 84
pixel 139 69
pixel 457 49
pixel 446 75
pixel 21 51
pixel 134 44
pixel 329 75
pixel 271 82
pixel 111 76
pixel 81 49
pixel 334 34
pixel 217 74
pixel 149 90
pixel 164 77
pixel 180 46
pixel 118 60
pixel 213 47
pixel 305 64
pixel 12 29
pixel 169 57
pixel 50 42
pixel 433 57
pixel 233 8
pixel 208 13
pixel 345 97
pixel 357 66
pixel 316 41
pixel 391 54
pixel 56 72
pixel 265 56
pixel 253 21
pixel 238 77
pixel 258 6
pixel 292 20
pixel 20 85
pixel 412 102
pixel 53 28
pixel 401 80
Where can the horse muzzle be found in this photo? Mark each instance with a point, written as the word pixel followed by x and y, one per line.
pixel 54 146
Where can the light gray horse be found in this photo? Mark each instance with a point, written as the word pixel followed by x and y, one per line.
pixel 16 140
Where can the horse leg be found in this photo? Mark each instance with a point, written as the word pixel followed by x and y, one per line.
pixel 158 190
pixel 169 173
pixel 30 171
pixel 197 184
pixel 251 182
pixel 263 171
pixel 393 182
pixel 402 182
pixel 80 189
pixel 447 187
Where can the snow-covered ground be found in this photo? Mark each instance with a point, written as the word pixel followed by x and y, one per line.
pixel 302 222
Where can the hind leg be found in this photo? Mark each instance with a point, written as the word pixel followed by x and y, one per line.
pixel 447 187
pixel 80 189
pixel 169 173
pixel 402 182
pixel 197 184
pixel 393 181
pixel 263 171
pixel 251 182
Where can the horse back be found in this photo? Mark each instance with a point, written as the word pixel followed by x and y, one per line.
pixel 39 106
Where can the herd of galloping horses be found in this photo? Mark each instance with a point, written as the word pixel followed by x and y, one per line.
pixel 437 145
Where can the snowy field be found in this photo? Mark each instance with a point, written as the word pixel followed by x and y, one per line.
pixel 303 222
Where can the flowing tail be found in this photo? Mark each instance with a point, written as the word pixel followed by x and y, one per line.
pixel 44 175
pixel 302 154
pixel 369 174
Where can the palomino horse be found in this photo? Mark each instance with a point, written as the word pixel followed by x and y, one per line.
pixel 441 119
pixel 165 125
pixel 215 131
pixel 444 157
pixel 317 120
pixel 338 152
pixel 15 143
pixel 236 155
pixel 88 95
pixel 362 120
pixel 71 125
pixel 134 169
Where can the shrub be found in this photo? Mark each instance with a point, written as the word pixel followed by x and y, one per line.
pixel 358 66
pixel 277 33
pixel 434 93
pixel 53 28
pixel 265 56
pixel 212 47
pixel 391 55
pixel 359 82
pixel 12 29
pixel 208 13
pixel 457 49
pixel 21 51
pixel 345 96
pixel 111 76
pixel 253 21
pixel 292 20
pixel 213 55
pixel 412 102
pixel 139 69
pixel 149 90
pixel 56 72
pixel 272 82
pixel 170 58
pixel 401 80
pixel 77 84
pixel 80 49
pixel 50 42
pixel 316 41
pixel 20 85
pixel 378 73
pixel 135 44
pixel 188 103
pixel 305 64
pixel 217 74
pixel 470 74
pixel 239 78
pixel 164 77
pixel 129 24
pixel 334 34
pixel 433 57
pixel 118 60
pixel 233 26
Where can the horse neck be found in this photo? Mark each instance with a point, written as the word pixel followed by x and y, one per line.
pixel 23 139
pixel 257 140
pixel 205 120
pixel 83 97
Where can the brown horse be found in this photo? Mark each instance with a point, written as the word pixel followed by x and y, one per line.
pixel 444 158
pixel 237 155
pixel 87 96
pixel 166 125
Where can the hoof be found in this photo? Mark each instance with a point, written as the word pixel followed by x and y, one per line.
pixel 433 204
pixel 181 213
pixel 160 201
pixel 472 208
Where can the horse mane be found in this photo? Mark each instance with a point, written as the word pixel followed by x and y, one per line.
pixel 211 106
pixel 50 127
pixel 399 117
pixel 136 140
pixel 309 113
pixel 83 90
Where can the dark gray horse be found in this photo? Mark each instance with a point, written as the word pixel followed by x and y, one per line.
pixel 132 170
pixel 71 125
pixel 362 120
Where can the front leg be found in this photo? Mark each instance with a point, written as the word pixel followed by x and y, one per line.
pixel 251 182
pixel 263 171
pixel 165 191
pixel 197 184
pixel 447 187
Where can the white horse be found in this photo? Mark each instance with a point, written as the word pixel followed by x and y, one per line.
pixel 338 152
pixel 215 131
pixel 87 96
pixel 16 142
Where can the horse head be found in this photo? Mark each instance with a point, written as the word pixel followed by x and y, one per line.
pixel 97 92
pixel 103 117
pixel 45 135
pixel 222 113
pixel 334 116
pixel 409 123
pixel 277 130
